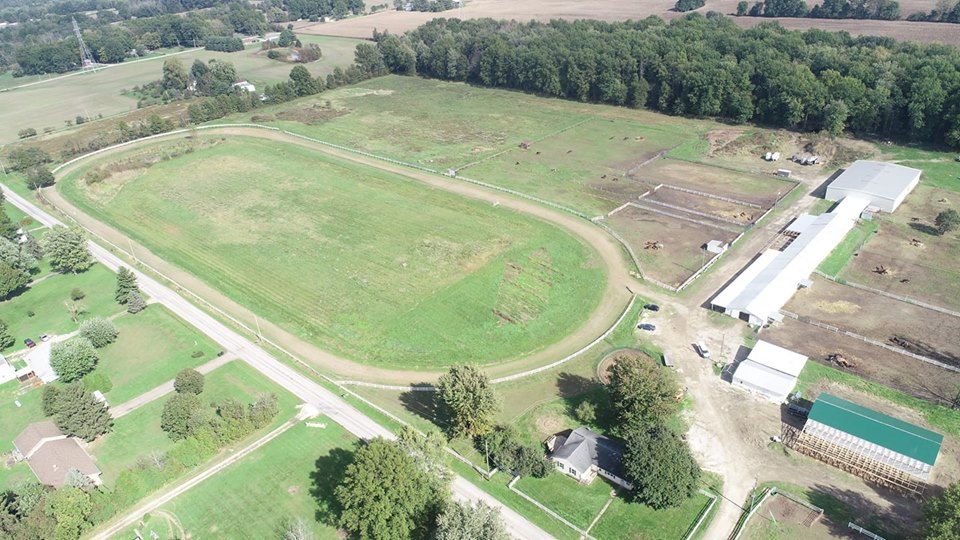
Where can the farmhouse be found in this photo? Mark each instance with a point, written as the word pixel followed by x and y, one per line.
pixel 885 185
pixel 868 443
pixel 770 371
pixel 762 289
pixel 51 454
pixel 583 454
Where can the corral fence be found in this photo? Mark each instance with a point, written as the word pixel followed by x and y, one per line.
pixel 901 298
pixel 768 493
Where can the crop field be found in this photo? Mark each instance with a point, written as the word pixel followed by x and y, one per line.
pixel 51 103
pixel 295 476
pixel 668 248
pixel 137 434
pixel 151 348
pixel 42 309
pixel 373 266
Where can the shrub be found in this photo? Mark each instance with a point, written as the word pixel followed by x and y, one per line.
pixel 72 359
pixel 508 452
pixel 27 133
pixel 188 381
pixel 100 331
pixel 586 412
pixel 77 294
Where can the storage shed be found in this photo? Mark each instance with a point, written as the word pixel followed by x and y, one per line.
pixel 769 371
pixel 885 185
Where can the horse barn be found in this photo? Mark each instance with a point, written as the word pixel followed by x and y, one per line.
pixel 867 443
pixel 769 371
pixel 885 185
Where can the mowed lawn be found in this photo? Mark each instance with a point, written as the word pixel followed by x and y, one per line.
pixel 285 479
pixel 138 434
pixel 50 104
pixel 13 418
pixel 370 265
pixel 42 309
pixel 151 347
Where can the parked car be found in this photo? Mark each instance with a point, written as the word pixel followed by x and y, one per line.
pixel 29 343
pixel 652 307
pixel 702 349
pixel 647 326
pixel 44 337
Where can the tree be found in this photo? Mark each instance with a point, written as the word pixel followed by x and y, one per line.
pixel 303 83
pixel 11 280
pixel 508 451
pixel 287 38
pixel 31 246
pixel 6 340
pixel 99 331
pixel 135 302
pixel 368 58
pixel 39 177
pixel 73 358
pixel 642 394
pixel 742 7
pixel 182 415
pixel 126 283
pixel 26 133
pixel 383 493
pixel 15 254
pixel 428 452
pixel 469 522
pixel 586 412
pixel 175 76
pixel 188 381
pixel 942 515
pixel 23 158
pixel 67 250
pixel 76 411
pixel 467 402
pixel 295 529
pixel 659 465
pixel 71 508
pixel 947 221
pixel 688 5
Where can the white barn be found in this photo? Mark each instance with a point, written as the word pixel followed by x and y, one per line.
pixel 770 371
pixel 885 185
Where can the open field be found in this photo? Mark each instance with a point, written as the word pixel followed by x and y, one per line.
pixel 51 103
pixel 398 22
pixel 380 290
pixel 295 476
pixel 919 330
pixel 137 434
pixel 40 309
pixel 682 242
pixel 152 346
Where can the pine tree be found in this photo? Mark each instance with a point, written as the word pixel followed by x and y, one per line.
pixel 79 414
pixel 6 339
pixel 67 250
pixel 126 283
pixel 135 303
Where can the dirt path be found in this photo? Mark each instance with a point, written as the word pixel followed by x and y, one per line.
pixel 615 296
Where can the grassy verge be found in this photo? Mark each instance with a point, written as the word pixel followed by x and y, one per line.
pixel 851 243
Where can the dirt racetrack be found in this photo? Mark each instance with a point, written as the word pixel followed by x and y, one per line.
pixel 399 22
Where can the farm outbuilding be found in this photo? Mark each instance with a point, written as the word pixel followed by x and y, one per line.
pixel 868 443
pixel 885 185
pixel 769 371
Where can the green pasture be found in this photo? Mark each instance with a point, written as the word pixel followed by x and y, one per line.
pixel 101 92
pixel 370 265
pixel 41 310
pixel 152 346
pixel 290 477
pixel 138 434
pixel 845 250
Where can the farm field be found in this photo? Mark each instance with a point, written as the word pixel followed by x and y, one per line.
pixel 376 291
pixel 681 241
pixel 102 92
pixel 152 346
pixel 40 309
pixel 295 476
pixel 137 434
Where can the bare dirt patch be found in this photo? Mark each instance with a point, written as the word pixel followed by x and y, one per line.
pixel 748 149
pixel 747 187
pixel 725 210
pixel 780 517
pixel 668 249
pixel 315 114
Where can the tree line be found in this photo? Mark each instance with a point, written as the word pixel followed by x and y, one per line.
pixel 703 67
pixel 888 10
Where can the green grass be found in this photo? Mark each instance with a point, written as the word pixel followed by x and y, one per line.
pixel 12 418
pixel 852 242
pixel 575 502
pixel 631 520
pixel 138 433
pixel 941 418
pixel 821 207
pixel 372 266
pixel 102 92
pixel 46 301
pixel 251 498
pixel 152 346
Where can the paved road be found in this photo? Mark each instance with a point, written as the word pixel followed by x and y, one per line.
pixel 306 389
pixel 150 396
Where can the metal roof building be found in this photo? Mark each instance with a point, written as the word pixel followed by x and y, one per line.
pixel 870 444
pixel 769 371
pixel 885 185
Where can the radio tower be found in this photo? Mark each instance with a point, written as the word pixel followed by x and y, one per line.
pixel 86 59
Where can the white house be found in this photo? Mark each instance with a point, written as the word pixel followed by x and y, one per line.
pixel 583 454
pixel 885 185
pixel 769 371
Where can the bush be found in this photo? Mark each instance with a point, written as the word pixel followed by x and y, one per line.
pixel 39 177
pixel 100 331
pixel 689 5
pixel 274 54
pixel 586 412
pixel 188 381
pixel 77 294
pixel 27 133
pixel 72 359
pixel 508 452
pixel 97 380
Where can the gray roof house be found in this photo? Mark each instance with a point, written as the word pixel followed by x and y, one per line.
pixel 583 454
pixel 51 454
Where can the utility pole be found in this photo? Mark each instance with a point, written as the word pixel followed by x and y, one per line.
pixel 86 59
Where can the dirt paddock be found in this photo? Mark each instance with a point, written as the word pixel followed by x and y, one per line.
pixel 763 191
pixel 725 210
pixel 780 517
